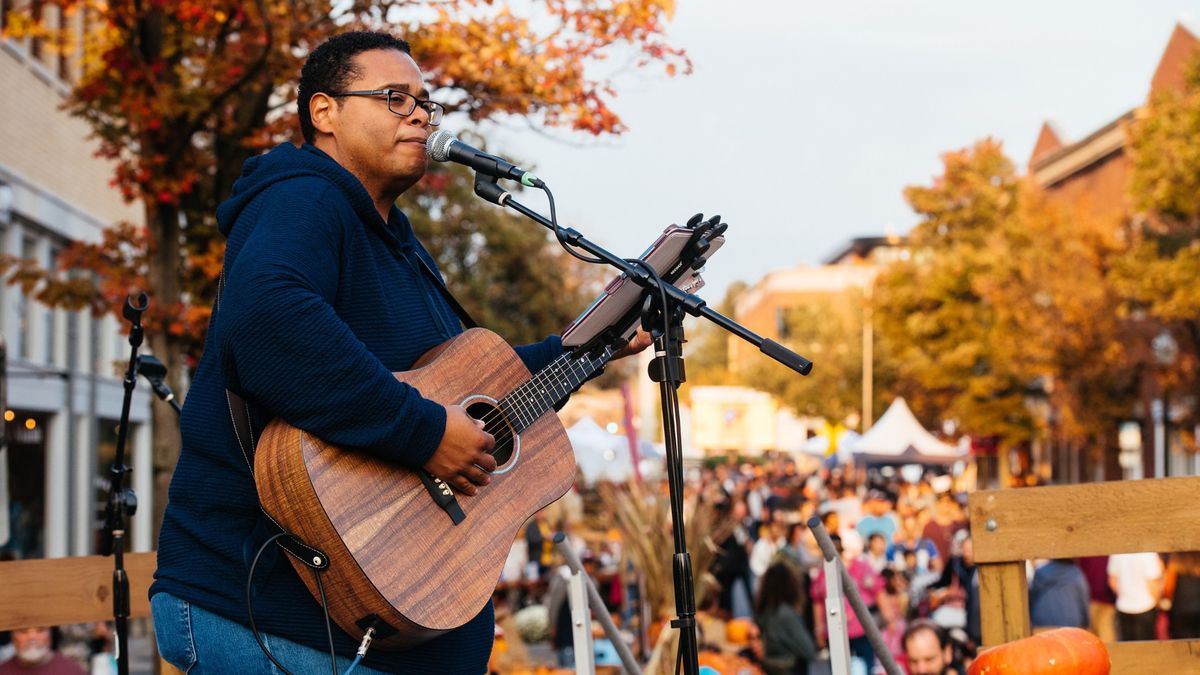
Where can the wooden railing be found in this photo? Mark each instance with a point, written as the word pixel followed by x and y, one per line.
pixel 59 591
pixel 1009 527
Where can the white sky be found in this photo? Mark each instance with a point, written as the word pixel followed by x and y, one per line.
pixel 803 121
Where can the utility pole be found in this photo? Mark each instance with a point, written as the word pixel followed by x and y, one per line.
pixel 868 352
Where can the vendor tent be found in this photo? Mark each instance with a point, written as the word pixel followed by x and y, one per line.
pixel 603 456
pixel 898 438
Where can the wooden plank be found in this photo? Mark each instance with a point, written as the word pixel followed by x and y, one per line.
pixel 1003 602
pixel 1160 515
pixel 69 590
pixel 1155 658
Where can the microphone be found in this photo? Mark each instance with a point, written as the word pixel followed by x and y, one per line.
pixel 444 146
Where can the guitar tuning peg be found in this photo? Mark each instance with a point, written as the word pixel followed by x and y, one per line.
pixel 695 220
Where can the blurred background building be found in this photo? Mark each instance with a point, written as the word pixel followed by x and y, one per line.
pixel 63 392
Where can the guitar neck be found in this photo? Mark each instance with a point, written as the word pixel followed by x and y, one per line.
pixel 541 392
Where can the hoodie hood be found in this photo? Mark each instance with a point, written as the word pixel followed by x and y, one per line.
pixel 286 162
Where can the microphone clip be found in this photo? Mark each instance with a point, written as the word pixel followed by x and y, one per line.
pixel 488 187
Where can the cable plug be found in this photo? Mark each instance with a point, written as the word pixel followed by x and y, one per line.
pixel 366 642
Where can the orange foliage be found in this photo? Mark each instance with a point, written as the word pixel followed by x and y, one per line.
pixel 179 93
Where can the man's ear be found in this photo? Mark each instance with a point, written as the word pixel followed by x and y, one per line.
pixel 323 109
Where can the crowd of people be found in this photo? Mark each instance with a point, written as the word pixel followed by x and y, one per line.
pixel 907 547
pixel 906 544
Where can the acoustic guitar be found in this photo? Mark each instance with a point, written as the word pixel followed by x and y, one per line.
pixel 397 560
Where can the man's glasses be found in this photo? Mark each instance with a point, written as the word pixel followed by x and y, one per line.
pixel 402 103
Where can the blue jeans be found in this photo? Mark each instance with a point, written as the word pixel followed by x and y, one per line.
pixel 199 642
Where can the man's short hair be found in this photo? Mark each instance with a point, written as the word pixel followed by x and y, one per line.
pixel 330 68
pixel 921 625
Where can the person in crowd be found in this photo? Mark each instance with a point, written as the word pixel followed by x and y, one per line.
pixel 946 522
pixel 1101 610
pixel 539 538
pixel 893 611
pixel 788 646
pixel 928 650
pixel 34 654
pixel 732 565
pixel 954 598
pixel 1137 579
pixel 878 517
pixel 801 549
pixel 834 523
pixel 910 538
pixel 877 552
pixel 762 554
pixel 1181 595
pixel 1058 596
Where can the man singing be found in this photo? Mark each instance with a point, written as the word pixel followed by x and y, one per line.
pixel 324 297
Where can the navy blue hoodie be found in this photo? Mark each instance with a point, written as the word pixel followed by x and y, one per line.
pixel 322 301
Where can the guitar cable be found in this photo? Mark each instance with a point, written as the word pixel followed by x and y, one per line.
pixel 562 241
pixel 671 422
pixel 362 648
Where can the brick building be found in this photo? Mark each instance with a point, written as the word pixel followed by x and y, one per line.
pixel 1090 179
pixel 63 394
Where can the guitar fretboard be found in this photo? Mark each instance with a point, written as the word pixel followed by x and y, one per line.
pixel 532 399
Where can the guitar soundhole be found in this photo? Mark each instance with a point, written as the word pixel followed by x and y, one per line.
pixel 497 425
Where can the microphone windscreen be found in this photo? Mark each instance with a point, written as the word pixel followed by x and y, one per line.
pixel 438 145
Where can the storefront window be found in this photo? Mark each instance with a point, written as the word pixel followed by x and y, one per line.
pixel 26 505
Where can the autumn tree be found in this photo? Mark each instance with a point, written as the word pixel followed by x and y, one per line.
pixel 1159 276
pixel 828 330
pixel 1061 321
pixel 956 357
pixel 179 94
pixel 707 349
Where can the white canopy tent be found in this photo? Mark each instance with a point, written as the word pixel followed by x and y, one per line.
pixel 602 456
pixel 898 438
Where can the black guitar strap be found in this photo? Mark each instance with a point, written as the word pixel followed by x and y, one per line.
pixel 239 414
pixel 453 302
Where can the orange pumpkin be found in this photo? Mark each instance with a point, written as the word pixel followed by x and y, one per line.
pixel 1062 651
pixel 738 631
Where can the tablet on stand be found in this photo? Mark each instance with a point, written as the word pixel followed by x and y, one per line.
pixel 616 313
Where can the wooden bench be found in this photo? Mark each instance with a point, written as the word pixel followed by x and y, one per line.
pixel 60 591
pixel 1011 526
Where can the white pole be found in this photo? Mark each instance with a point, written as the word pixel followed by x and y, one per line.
pixel 581 625
pixel 835 619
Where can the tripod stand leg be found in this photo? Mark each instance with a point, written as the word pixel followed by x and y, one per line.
pixel 581 624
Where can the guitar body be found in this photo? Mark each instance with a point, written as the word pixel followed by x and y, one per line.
pixel 394 554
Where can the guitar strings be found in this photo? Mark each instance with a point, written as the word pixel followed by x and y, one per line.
pixel 496 414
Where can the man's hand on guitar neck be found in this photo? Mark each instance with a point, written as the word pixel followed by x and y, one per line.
pixel 637 343
pixel 462 459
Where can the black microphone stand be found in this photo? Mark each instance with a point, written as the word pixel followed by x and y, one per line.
pixel 662 314
pixel 122 501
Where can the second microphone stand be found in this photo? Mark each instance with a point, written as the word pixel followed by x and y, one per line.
pixel 122 502
pixel 662 314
